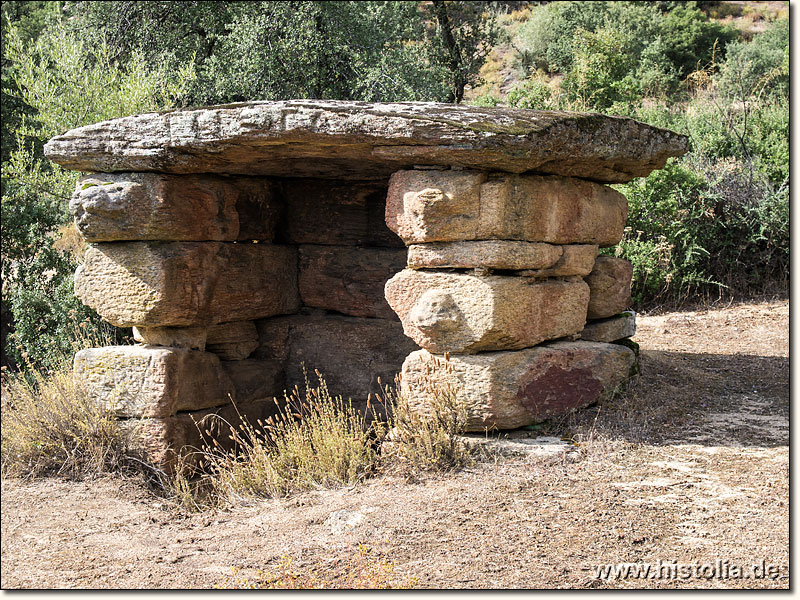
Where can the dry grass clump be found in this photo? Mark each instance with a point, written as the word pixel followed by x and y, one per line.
pixel 315 441
pixel 363 571
pixel 50 426
pixel 429 440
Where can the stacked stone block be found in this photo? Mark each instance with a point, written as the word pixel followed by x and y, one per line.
pixel 501 278
pixel 188 262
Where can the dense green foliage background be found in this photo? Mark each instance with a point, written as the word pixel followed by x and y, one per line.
pixel 712 223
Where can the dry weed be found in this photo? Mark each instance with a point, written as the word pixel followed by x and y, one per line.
pixel 429 440
pixel 50 426
pixel 314 441
pixel 363 571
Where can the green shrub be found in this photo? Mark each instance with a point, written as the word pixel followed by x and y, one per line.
pixel 67 82
pixel 546 38
pixel 601 73
pixel 705 227
pixel 533 93
pixel 757 68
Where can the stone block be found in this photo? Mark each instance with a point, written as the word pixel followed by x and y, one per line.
pixel 256 379
pixel 361 141
pixel 611 329
pixel 189 434
pixel 152 381
pixel 449 206
pixel 150 206
pixel 350 352
pixel 352 214
pixel 609 287
pixel 506 390
pixel 232 341
pixel 489 254
pixel 187 284
pixel 190 338
pixel 454 312
pixel 348 279
pixel 576 259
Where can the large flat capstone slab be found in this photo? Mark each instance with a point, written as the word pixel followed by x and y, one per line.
pixel 361 140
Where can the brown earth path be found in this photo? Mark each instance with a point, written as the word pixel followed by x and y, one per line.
pixel 691 465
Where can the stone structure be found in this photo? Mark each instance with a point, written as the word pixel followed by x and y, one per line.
pixel 243 241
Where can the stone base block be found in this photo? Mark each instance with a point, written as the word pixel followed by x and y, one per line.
pixel 187 284
pixel 189 434
pixel 153 381
pixel 506 390
pixel 453 312
pixel 352 213
pixel 256 379
pixel 150 206
pixel 609 287
pixel 351 353
pixel 448 206
pixel 610 330
pixel 348 279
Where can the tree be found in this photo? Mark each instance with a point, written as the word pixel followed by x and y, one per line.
pixel 466 33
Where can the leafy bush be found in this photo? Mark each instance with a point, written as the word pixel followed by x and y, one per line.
pixel 757 68
pixel 67 82
pixel 618 52
pixel 704 226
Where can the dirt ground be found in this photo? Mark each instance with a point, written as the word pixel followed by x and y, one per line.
pixel 690 467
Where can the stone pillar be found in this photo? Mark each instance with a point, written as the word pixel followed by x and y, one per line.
pixel 502 275
pixel 187 261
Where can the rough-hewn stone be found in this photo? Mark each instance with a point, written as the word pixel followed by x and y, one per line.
pixel 609 287
pixel 187 284
pixel 335 213
pixel 506 390
pixel 152 381
pixel 255 379
pixel 576 259
pixel 358 140
pixel 454 312
pixel 425 206
pixel 190 338
pixel 611 329
pixel 163 439
pixel 232 341
pixel 490 254
pixel 146 206
pixel 350 352
pixel 348 279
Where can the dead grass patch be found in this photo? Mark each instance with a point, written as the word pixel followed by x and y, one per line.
pixel 51 427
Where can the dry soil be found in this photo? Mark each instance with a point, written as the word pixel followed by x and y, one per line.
pixel 690 466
